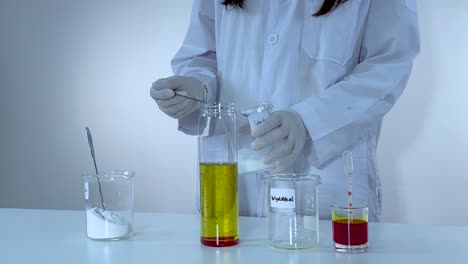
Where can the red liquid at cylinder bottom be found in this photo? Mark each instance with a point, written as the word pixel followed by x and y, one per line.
pixel 220 241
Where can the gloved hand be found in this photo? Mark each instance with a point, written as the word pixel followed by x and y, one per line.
pixel 163 91
pixel 285 131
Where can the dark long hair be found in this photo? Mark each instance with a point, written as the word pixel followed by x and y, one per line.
pixel 327 6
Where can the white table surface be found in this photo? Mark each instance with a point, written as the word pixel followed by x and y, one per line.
pixel 51 236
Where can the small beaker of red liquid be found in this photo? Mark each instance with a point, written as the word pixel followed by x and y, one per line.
pixel 349 227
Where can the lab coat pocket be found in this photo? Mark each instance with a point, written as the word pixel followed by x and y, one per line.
pixel 332 37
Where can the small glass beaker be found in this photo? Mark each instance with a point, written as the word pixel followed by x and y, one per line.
pixel 251 161
pixel 349 226
pixel 217 146
pixel 294 213
pixel 109 205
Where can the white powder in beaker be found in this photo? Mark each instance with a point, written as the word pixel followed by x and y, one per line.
pixel 105 224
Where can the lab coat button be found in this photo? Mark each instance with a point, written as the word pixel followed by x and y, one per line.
pixel 272 38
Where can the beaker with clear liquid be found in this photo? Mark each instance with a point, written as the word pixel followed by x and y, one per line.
pixel 217 146
pixel 293 214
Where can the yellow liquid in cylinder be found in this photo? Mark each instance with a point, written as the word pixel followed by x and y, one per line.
pixel 219 206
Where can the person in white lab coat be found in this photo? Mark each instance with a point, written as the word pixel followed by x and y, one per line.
pixel 331 68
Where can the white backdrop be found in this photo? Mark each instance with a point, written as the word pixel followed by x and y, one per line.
pixel 69 64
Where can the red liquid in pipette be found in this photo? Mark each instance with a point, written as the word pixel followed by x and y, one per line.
pixel 348 171
pixel 350 199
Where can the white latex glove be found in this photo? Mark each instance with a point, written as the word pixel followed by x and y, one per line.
pixel 285 131
pixel 163 91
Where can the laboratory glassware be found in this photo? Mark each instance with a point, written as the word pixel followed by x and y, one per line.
pixel 293 214
pixel 350 228
pixel 252 161
pixel 217 146
pixel 114 220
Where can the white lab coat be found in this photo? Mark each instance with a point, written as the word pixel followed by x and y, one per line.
pixel 341 72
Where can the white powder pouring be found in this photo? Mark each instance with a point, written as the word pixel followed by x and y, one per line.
pixel 250 161
pixel 103 224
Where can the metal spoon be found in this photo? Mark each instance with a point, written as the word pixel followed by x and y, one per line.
pixel 188 97
pixel 91 146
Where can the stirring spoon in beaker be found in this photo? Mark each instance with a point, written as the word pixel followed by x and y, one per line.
pixel 91 146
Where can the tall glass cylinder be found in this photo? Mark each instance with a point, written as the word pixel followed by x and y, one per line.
pixel 217 148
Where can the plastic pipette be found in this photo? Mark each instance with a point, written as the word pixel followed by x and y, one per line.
pixel 348 171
